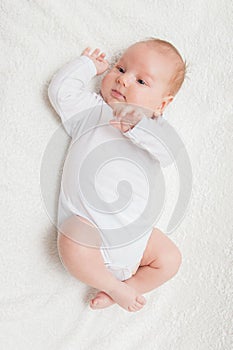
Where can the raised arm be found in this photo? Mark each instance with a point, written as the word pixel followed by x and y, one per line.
pixel 68 92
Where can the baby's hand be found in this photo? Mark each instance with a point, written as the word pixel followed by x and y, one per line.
pixel 98 59
pixel 127 116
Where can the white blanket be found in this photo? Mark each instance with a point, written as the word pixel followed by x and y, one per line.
pixel 42 306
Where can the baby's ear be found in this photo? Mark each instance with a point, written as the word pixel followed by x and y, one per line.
pixel 169 99
pixel 166 100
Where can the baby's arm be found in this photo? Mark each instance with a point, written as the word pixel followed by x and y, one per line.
pixel 154 135
pixel 157 137
pixel 67 90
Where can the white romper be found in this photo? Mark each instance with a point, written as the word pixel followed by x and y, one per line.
pixel 109 178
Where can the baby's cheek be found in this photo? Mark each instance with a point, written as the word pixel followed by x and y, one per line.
pixel 134 98
pixel 103 87
pixel 105 82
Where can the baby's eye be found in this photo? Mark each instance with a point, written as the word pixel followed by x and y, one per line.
pixel 142 82
pixel 121 70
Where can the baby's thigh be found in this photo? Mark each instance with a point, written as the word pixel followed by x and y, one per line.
pixel 159 250
pixel 81 231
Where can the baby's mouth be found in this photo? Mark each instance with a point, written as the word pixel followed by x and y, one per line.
pixel 117 94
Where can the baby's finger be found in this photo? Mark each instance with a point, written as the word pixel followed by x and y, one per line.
pixel 86 51
pixel 127 123
pixel 115 124
pixel 95 53
pixel 123 127
pixel 126 126
pixel 101 57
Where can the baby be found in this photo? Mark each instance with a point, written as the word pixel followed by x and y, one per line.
pixel 134 94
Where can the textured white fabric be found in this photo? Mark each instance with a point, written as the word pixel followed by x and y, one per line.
pixel 42 306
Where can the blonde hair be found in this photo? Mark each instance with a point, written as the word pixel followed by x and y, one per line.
pixel 179 74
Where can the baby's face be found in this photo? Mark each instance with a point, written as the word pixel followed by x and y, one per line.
pixel 141 78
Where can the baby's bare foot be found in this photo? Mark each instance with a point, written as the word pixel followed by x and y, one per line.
pixel 101 301
pixel 127 297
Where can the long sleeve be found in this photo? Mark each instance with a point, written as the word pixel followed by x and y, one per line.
pixel 68 94
pixel 158 137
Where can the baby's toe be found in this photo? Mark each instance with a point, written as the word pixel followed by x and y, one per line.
pixel 132 308
pixel 138 306
pixel 135 307
pixel 141 300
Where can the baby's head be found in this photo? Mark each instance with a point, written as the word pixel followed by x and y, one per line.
pixel 149 74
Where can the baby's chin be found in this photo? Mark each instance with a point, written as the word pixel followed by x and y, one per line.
pixel 111 101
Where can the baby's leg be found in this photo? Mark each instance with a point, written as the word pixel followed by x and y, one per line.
pixel 160 262
pixel 87 264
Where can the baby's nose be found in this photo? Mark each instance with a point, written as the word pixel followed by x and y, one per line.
pixel 125 79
